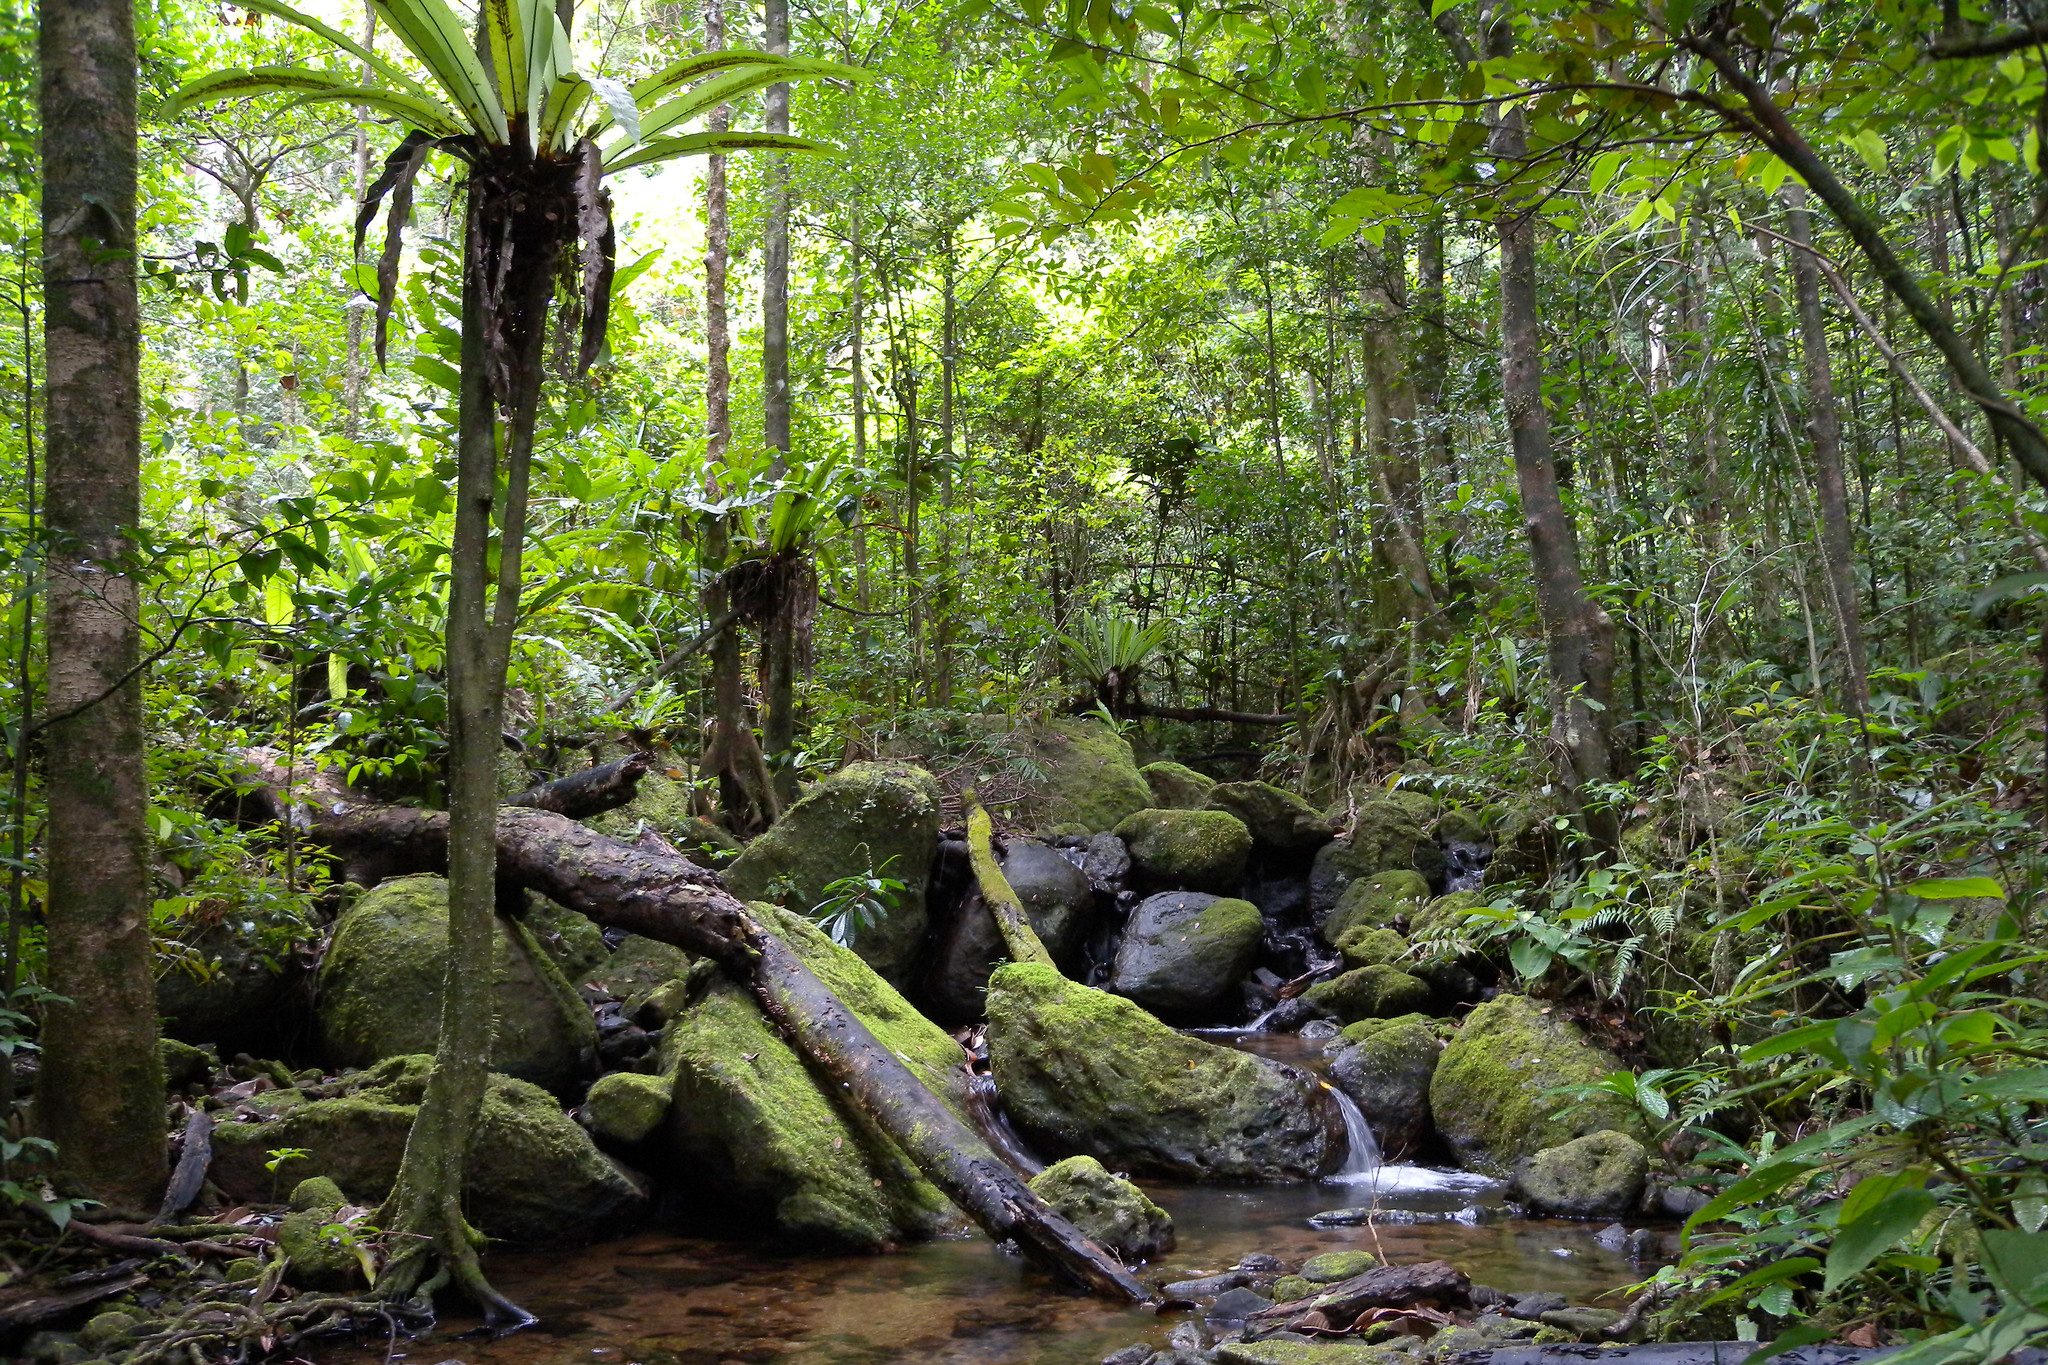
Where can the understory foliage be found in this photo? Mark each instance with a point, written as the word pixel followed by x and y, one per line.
pixel 1148 362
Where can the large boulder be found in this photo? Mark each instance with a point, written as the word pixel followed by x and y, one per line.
pixel 1279 820
pixel 1110 1212
pixel 538 1179
pixel 1183 953
pixel 380 990
pixel 1083 1071
pixel 1386 836
pixel 1492 1094
pixel 762 1134
pixel 1091 778
pixel 867 817
pixel 1187 850
pixel 1376 899
pixel 1057 899
pixel 1175 786
pixel 1600 1175
pixel 1375 992
pixel 1387 1074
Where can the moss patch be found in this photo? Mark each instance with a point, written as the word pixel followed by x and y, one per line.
pixel 1091 776
pixel 1492 1093
pixel 1176 786
pixel 1374 900
pixel 625 1107
pixel 1187 850
pixel 1363 947
pixel 1277 819
pixel 1184 951
pixel 1385 837
pixel 1376 992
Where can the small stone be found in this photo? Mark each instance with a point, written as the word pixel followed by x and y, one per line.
pixel 1486 1296
pixel 624 1107
pixel 317 1194
pixel 1109 1211
pixel 1332 1266
pixel 243 1269
pixel 1344 1218
pixel 1315 1030
pixel 1208 1286
pixel 1238 1304
pixel 107 1329
pixel 1598 1175
pixel 1259 1263
pixel 1585 1322
pixel 1187 1336
pixel 1291 1287
pixel 1642 1244
pixel 1614 1237
pixel 1129 1355
pixel 1533 1306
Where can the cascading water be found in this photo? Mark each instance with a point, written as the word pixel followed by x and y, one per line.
pixel 1362 1161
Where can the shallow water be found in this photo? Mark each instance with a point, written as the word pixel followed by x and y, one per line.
pixel 663 1299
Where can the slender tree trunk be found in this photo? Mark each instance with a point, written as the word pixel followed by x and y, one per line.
pixel 1578 634
pixel 943 600
pixel 863 596
pixel 1823 424
pixel 356 371
pixel 778 634
pixel 101 1096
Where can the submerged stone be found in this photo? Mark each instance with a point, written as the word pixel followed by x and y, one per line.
pixel 1493 1092
pixel 380 990
pixel 1183 953
pixel 1111 1212
pixel 1083 1071
pixel 866 818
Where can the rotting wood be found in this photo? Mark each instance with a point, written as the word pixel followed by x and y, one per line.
pixel 1387 1286
pixel 27 1312
pixel 996 891
pixel 588 791
pixel 193 1159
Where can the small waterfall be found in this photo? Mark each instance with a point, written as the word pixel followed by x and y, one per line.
pixel 1362 1160
pixel 986 1109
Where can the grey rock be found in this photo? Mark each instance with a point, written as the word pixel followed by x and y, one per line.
pixel 1238 1304
pixel 1614 1237
pixel 1387 1075
pixel 1533 1306
pixel 1315 1030
pixel 1259 1263
pixel 1057 898
pixel 1600 1175
pixel 1187 1336
pixel 1107 864
pixel 1183 952
pixel 1584 1321
pixel 1139 1354
pixel 1292 1015
pixel 1209 1286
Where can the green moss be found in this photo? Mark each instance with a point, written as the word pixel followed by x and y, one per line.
pixel 1277 819
pixel 881 817
pixel 659 803
pixel 1366 1028
pixel 1527 840
pixel 1374 900
pixel 1091 776
pixel 1384 837
pixel 318 1259
pixel 1444 910
pixel 1363 947
pixel 1493 1093
pixel 575 944
pixel 185 1064
pixel 1288 1288
pixel 1176 786
pixel 1182 952
pixel 1093 1073
pixel 1600 1175
pixel 1188 850
pixel 1461 825
pixel 318 1193
pixel 1333 1266
pixel 1376 992
pixel 1309 1353
pixel 380 990
pixel 1109 1211
pixel 625 1107
pixel 639 967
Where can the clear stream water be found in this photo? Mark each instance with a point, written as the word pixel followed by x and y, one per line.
pixel 664 1299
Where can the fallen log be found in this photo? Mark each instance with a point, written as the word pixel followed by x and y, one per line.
pixel 588 791
pixel 193 1159
pixel 31 1308
pixel 996 892
pixel 1387 1286
pixel 662 896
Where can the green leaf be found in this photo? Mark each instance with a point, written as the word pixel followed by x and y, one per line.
pixel 1868 1237
pixel 383 66
pixel 694 144
pixel 1998 590
pixel 2017 1263
pixel 432 33
pixel 337 677
pixel 1530 958
pixel 1954 888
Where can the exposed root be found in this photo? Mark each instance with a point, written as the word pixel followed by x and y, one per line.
pixel 227 1324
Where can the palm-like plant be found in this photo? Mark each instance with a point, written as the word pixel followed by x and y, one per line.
pixel 537 136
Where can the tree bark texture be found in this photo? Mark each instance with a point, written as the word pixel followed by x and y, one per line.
pixel 1823 425
pixel 779 649
pixel 101 1098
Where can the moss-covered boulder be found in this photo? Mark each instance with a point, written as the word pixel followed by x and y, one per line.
pixel 1386 1071
pixel 879 817
pixel 639 967
pixel 317 1243
pixel 380 990
pixel 1175 786
pixel 1363 947
pixel 1385 837
pixel 1091 776
pixel 1375 992
pixel 763 1136
pixel 1444 911
pixel 1110 1212
pixel 1083 1071
pixel 1187 850
pixel 572 940
pixel 1279 820
pixel 1334 1267
pixel 1279 1351
pixel 1057 899
pixel 1529 839
pixel 1376 900
pixel 624 1107
pixel 1600 1175
pixel 1492 1094
pixel 1183 953
pixel 541 1180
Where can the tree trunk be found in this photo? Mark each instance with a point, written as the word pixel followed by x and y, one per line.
pixel 101 1098
pixel 778 633
pixel 1823 424
pixel 1578 635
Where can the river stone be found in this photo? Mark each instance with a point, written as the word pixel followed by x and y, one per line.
pixel 1387 1073
pixel 1385 837
pixel 1364 947
pixel 1493 1094
pixel 867 817
pixel 1332 1266
pixel 624 1107
pixel 1600 1175
pixel 1110 1212
pixel 319 1260
pixel 1279 820
pixel 1084 1071
pixel 1057 898
pixel 380 990
pixel 541 1181
pixel 749 1118
pixel 1376 992
pixel 1374 901
pixel 1187 850
pixel 1175 786
pixel 1107 863
pixel 1183 953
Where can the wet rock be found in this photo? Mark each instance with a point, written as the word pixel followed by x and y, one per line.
pixel 1183 952
pixel 380 990
pixel 1205 1287
pixel 1278 820
pixel 1486 1296
pixel 1600 1175
pixel 1085 1071
pixel 1138 1354
pixel 1107 864
pixel 1187 850
pixel 624 1107
pixel 1494 1095
pixel 1290 1016
pixel 1288 1288
pixel 1377 992
pixel 1299 1351
pixel 1235 1305
pixel 1387 1073
pixel 748 1114
pixel 1374 901
pixel 1384 837
pixel 1259 1263
pixel 1187 1336
pixel 1176 786
pixel 544 1181
pixel 1111 1212
pixel 867 817
pixel 1316 1030
pixel 1534 1305
pixel 1581 1322
pixel 1057 899
pixel 1332 1266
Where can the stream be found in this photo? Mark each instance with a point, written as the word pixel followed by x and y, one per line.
pixel 659 1298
